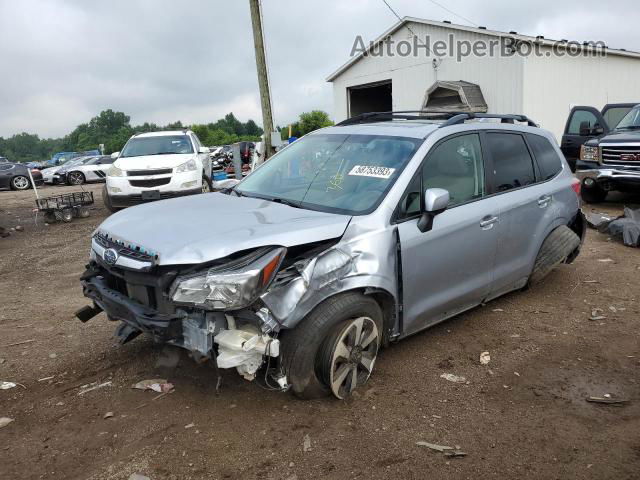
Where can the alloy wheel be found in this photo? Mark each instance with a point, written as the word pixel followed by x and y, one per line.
pixel 76 178
pixel 21 183
pixel 353 357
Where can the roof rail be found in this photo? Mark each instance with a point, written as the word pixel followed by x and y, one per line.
pixel 451 118
pixel 505 118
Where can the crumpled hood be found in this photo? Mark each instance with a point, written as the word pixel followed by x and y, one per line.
pixel 200 228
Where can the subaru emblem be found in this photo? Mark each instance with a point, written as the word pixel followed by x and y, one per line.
pixel 110 256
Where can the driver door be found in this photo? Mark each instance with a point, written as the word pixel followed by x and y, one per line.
pixel 574 137
pixel 448 269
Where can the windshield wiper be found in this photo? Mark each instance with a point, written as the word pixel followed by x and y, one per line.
pixel 629 127
pixel 284 201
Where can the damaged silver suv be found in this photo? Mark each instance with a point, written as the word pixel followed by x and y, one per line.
pixel 352 237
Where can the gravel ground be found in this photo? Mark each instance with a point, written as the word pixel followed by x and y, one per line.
pixel 523 415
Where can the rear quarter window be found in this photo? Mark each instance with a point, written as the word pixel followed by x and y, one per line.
pixel 548 160
pixel 512 163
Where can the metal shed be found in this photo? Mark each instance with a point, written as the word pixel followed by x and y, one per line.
pixel 458 96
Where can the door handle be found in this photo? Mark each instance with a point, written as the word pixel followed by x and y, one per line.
pixel 487 222
pixel 544 200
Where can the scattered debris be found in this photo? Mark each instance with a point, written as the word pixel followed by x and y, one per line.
pixel 137 476
pixel 93 386
pixel 607 400
pixel 19 228
pixel 159 385
pixel 7 385
pixel 448 451
pixel 625 228
pixel 306 445
pixel 595 315
pixel 53 355
pixel 191 425
pixel 605 260
pixel 108 415
pixel 46 378
pixel 485 358
pixel 453 378
pixel 4 421
pixel 498 310
pixel 19 343
pixel 516 374
pixel 591 281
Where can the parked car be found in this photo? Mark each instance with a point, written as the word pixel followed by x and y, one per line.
pixel 63 157
pixel 16 176
pixel 157 165
pixel 610 160
pixel 4 160
pixel 585 123
pixel 50 175
pixel 352 237
pixel 89 170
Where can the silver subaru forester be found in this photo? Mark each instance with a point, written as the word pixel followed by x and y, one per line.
pixel 350 238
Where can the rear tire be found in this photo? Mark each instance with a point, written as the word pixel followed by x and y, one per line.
pixel 593 194
pixel 75 178
pixel 555 249
pixel 20 182
pixel 307 350
pixel 107 201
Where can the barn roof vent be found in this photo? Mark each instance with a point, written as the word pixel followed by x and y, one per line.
pixel 454 96
pixel 447 21
pixel 482 28
pixel 513 32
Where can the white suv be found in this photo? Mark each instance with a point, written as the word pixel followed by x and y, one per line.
pixel 157 165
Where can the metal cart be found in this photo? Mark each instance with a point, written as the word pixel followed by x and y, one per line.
pixel 66 206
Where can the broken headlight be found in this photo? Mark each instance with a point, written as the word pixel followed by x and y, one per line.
pixel 232 286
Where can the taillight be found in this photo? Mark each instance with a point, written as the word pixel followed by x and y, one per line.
pixel 576 185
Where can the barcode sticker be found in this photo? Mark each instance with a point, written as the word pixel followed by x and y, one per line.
pixel 372 171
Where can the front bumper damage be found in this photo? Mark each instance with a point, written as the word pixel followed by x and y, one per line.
pixel 611 178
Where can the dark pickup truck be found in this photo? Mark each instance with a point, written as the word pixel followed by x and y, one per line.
pixel 603 148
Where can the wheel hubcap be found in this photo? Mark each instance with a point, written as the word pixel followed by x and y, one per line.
pixel 353 356
pixel 21 183
pixel 75 178
pixel 205 187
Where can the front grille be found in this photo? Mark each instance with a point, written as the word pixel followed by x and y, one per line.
pixel 144 173
pixel 621 155
pixel 126 250
pixel 154 182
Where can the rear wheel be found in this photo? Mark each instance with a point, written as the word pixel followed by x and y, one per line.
pixel 334 349
pixel 20 182
pixel 75 178
pixel 555 249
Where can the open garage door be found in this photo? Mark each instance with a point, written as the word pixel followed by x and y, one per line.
pixel 458 96
pixel 372 97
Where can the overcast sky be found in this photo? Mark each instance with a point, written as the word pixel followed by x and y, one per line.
pixel 63 61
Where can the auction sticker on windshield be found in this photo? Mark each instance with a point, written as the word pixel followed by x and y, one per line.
pixel 372 171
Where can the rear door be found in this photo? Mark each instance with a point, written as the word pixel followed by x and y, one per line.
pixel 525 200
pixel 574 133
pixel 448 269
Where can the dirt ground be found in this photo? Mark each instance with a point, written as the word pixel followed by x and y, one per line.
pixel 523 415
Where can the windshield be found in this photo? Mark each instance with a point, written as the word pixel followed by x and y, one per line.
pixel 161 145
pixel 631 120
pixel 347 174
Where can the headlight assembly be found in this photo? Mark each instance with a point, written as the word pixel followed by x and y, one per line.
pixel 232 286
pixel 189 166
pixel 589 154
pixel 115 172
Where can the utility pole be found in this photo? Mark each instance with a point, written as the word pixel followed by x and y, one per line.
pixel 263 76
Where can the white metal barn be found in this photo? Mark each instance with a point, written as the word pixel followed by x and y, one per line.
pixel 544 87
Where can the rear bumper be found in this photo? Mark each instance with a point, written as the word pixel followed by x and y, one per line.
pixel 122 201
pixel 120 307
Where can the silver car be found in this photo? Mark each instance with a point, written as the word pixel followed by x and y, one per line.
pixel 352 237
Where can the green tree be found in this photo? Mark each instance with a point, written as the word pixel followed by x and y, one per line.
pixel 313 120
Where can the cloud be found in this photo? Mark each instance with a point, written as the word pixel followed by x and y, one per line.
pixel 63 61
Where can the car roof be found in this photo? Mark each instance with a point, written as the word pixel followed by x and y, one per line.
pixel 162 134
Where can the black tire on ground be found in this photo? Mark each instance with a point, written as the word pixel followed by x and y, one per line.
pixel 593 194
pixel 206 184
pixel 555 249
pixel 107 200
pixel 302 347
pixel 67 215
pixel 50 217
pixel 75 178
pixel 20 182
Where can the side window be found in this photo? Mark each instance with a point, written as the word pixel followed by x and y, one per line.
pixel 577 118
pixel 456 165
pixel 548 160
pixel 512 163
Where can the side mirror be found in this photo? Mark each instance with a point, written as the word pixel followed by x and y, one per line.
pixel 204 150
pixel 597 130
pixel 585 129
pixel 115 155
pixel 435 202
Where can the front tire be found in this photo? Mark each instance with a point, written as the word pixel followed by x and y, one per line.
pixel 20 182
pixel 334 348
pixel 107 201
pixel 207 187
pixel 75 178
